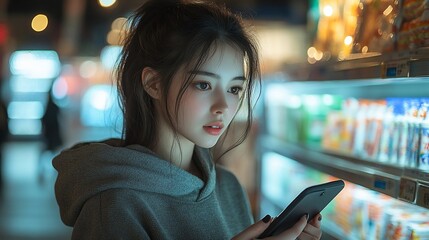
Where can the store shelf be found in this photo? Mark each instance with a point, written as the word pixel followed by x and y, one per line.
pixel 334 231
pixel 411 63
pixel 329 227
pixel 410 185
pixel 356 88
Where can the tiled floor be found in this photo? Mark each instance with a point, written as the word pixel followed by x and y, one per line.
pixel 28 209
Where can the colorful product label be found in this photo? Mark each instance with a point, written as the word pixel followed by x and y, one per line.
pixel 402 146
pixel 424 148
pixel 413 144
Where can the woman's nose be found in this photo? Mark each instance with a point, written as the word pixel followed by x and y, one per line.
pixel 220 105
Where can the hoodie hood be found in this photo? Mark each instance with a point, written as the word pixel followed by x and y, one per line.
pixel 90 168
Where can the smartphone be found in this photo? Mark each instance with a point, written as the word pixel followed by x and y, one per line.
pixel 311 201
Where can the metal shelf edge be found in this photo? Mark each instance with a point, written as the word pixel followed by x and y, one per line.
pixel 360 174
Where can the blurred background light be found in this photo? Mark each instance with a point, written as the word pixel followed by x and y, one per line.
pixel 328 10
pixel 117 31
pixel 99 107
pixel 4 33
pixel 348 40
pixel 39 22
pixel 328 99
pixel 28 85
pixel 114 37
pixel 110 55
pixel 59 88
pixel 35 63
pixel 25 126
pixel 119 23
pixel 25 110
pixel 88 69
pixel 100 99
pixel 106 3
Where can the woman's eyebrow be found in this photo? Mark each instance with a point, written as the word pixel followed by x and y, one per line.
pixel 214 75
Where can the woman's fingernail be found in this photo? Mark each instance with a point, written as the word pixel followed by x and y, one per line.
pixel 266 219
pixel 320 218
pixel 306 216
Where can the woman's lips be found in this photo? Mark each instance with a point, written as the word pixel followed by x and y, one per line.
pixel 214 128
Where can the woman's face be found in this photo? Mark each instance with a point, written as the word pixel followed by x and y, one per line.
pixel 211 100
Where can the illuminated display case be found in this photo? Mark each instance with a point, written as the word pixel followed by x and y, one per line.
pixel 362 120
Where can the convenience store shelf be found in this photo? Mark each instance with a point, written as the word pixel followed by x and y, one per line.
pixel 412 63
pixel 410 185
pixel 330 229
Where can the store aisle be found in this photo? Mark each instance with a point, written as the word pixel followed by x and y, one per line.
pixel 28 209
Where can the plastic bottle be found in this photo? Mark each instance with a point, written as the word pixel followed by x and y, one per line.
pixel 398 113
pixel 314 119
pixel 359 136
pixel 350 109
pixel 423 156
pixel 386 140
pixel 293 115
pixel 373 130
pixel 334 123
pixel 403 134
pixel 414 124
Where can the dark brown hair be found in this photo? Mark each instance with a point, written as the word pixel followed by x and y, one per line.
pixel 166 35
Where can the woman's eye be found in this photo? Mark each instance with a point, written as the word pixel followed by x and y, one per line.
pixel 202 86
pixel 235 90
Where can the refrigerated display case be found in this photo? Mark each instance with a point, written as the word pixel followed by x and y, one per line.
pixel 362 120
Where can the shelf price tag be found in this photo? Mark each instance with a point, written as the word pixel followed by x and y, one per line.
pixel 398 68
pixel 416 174
pixel 407 189
pixel 423 196
pixel 386 185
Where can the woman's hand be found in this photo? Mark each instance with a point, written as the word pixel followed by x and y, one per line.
pixel 301 230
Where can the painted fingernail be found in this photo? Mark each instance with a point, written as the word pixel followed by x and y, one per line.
pixel 266 219
pixel 320 218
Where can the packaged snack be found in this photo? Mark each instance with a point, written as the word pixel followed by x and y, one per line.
pixel 360 126
pixel 414 31
pixel 412 9
pixel 350 109
pixel 418 231
pixel 374 127
pixel 413 139
pixel 314 118
pixel 404 36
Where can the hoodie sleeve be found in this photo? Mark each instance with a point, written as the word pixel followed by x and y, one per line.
pixel 107 216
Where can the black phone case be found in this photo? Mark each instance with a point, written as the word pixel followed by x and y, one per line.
pixel 311 200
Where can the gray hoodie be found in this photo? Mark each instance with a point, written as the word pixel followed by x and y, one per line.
pixel 105 191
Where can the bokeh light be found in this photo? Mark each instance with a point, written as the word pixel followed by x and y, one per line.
pixel 106 3
pixel 39 22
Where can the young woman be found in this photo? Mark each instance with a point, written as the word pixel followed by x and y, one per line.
pixel 185 70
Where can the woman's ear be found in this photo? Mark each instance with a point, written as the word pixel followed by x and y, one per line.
pixel 150 82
